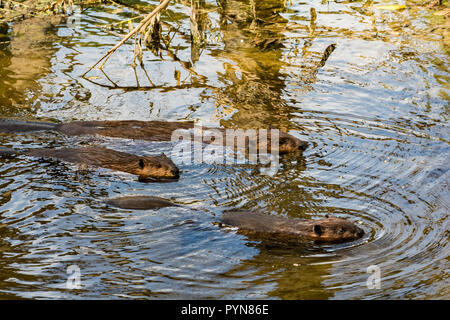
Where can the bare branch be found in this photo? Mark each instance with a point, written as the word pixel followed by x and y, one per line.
pixel 158 9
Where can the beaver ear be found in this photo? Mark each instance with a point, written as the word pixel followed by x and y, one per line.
pixel 327 216
pixel 317 229
pixel 141 163
pixel 164 155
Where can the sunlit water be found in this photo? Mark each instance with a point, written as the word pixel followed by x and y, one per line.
pixel 375 116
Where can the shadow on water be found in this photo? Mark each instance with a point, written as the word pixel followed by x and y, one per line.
pixel 374 111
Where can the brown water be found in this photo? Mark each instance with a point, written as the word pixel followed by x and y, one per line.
pixel 376 115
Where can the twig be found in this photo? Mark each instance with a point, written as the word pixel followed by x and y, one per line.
pixel 165 87
pixel 158 9
pixel 142 13
pixel 174 57
pixel 114 84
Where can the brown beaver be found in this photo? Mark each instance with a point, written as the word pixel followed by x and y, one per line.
pixel 331 229
pixel 133 129
pixel 146 167
pixel 328 230
pixel 13 126
pixel 140 202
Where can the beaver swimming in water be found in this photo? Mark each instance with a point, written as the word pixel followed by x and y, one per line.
pixel 147 168
pixel 139 130
pixel 140 202
pixel 328 230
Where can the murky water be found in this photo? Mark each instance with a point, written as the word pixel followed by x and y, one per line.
pixel 376 115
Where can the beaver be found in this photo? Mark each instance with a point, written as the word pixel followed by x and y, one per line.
pixel 140 202
pixel 329 230
pixel 13 126
pixel 146 167
pixel 253 223
pixel 134 129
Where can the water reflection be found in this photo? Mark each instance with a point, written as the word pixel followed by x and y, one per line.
pixel 253 77
pixel 27 58
pixel 374 113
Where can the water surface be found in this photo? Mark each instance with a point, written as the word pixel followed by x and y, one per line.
pixel 375 114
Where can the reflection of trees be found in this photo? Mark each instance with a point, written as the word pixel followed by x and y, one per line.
pixel 252 33
pixel 252 36
pixel 199 25
pixel 25 60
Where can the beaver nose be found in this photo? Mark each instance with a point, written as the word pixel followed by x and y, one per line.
pixel 302 145
pixel 175 172
pixel 360 232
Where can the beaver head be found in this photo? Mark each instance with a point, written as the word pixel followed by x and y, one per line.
pixel 157 167
pixel 289 144
pixel 334 229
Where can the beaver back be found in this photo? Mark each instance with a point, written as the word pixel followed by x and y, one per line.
pixel 330 229
pixel 143 166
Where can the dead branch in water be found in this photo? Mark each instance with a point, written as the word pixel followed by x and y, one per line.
pixel 141 27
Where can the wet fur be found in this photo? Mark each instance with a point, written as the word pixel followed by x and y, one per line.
pixel 330 229
pixel 146 167
pixel 15 126
pixel 140 202
pixel 140 130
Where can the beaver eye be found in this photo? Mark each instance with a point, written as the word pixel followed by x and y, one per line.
pixel 159 166
pixel 317 229
pixel 341 231
pixel 141 164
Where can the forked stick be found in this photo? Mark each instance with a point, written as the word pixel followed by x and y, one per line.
pixel 158 9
